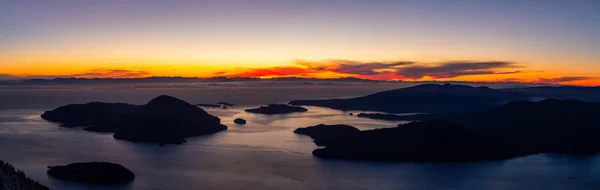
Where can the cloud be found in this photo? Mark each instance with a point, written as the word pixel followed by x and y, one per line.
pixel 111 73
pixel 563 79
pixel 456 69
pixel 381 70
pixel 315 68
pixel 375 68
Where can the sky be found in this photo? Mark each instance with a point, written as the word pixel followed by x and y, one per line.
pixel 506 41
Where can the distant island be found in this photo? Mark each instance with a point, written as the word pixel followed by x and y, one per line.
pixel 382 116
pixel 515 129
pixel 92 173
pixel 13 179
pixel 209 105
pixel 276 109
pixel 165 120
pixel 427 98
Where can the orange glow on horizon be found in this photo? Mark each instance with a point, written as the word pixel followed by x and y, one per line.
pixel 316 69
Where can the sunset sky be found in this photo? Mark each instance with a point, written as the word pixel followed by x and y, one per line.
pixel 526 41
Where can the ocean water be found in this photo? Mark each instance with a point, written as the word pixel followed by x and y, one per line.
pixel 264 154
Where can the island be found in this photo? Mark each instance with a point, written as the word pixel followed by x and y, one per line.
pixel 13 179
pixel 277 109
pixel 209 105
pixel 239 121
pixel 429 141
pixel 165 120
pixel 93 173
pixel 516 129
pixel 427 98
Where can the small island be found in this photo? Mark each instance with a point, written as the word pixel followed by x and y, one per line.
pixel 239 121
pixel 165 120
pixel 93 173
pixel 277 109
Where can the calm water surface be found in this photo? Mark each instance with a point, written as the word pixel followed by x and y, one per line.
pixel 265 154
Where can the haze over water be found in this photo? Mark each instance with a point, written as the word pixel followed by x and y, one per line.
pixel 264 154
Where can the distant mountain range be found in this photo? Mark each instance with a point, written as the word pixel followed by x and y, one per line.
pixel 178 79
pixel 67 81
pixel 449 98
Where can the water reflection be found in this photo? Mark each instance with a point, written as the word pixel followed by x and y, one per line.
pixel 265 154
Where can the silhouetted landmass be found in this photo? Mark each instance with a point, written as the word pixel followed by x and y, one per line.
pixel 428 98
pixel 93 173
pixel 165 119
pixel 209 105
pixel 239 121
pixel 277 109
pixel 549 126
pixel 560 92
pixel 413 117
pixel 516 129
pixel 98 114
pixel 71 81
pixel 430 141
pixel 323 134
pixel 13 179
pixel 382 116
pixel 6 82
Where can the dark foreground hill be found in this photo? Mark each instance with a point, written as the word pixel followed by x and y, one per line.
pixel 12 179
pixel 164 119
pixel 428 98
pixel 519 128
